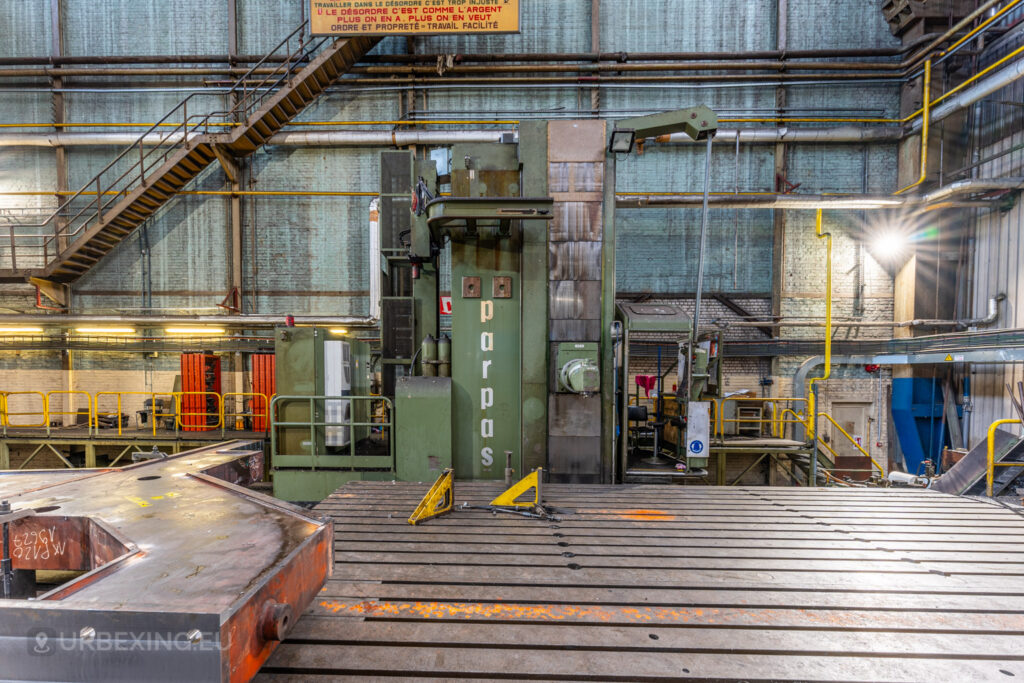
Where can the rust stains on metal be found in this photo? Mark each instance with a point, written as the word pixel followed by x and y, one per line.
pixel 624 615
pixel 646 516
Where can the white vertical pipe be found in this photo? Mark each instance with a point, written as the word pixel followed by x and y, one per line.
pixel 375 259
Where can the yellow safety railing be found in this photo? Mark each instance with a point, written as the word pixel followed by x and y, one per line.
pixel 853 441
pixel 155 417
pixel 824 444
pixel 254 412
pixel 204 426
pixel 60 413
pixel 773 421
pixel 230 410
pixel 42 412
pixel 991 464
pixel 779 430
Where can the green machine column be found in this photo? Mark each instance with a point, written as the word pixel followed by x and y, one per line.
pixel 581 297
pixel 486 333
pixel 426 285
pixel 533 154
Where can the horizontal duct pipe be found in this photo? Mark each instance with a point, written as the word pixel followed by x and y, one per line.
pixel 808 201
pixel 66 60
pixel 958 101
pixel 834 134
pixel 974 93
pixel 766 201
pixel 392 65
pixel 625 57
pixel 962 187
pixel 965 323
pixel 242 322
pixel 385 138
pixel 621 56
pixel 363 138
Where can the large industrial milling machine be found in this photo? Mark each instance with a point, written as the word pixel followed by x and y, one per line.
pixel 530 369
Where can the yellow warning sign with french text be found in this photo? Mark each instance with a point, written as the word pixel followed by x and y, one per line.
pixel 412 17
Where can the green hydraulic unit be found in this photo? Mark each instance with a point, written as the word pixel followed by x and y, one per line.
pixel 326 429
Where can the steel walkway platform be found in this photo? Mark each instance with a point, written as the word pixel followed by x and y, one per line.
pixel 650 583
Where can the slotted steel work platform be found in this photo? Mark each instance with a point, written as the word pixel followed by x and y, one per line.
pixel 177 572
pixel 651 583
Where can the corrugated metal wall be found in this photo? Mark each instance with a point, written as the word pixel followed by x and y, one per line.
pixel 997 134
pixel 999 252
pixel 308 254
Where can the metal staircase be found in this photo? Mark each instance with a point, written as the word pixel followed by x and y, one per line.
pixel 145 176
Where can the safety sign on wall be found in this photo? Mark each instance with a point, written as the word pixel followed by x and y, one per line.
pixel 412 17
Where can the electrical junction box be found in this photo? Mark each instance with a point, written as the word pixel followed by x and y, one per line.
pixel 423 427
pixel 312 362
pixel 698 434
pixel 578 367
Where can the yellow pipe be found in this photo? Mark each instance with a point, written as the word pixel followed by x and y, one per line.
pixel 980 27
pixel 909 117
pixel 924 129
pixel 813 396
pixel 990 470
pixel 978 75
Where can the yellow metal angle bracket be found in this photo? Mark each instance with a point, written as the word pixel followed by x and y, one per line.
pixel 530 481
pixel 440 499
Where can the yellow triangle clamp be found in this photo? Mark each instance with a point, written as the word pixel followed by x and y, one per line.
pixel 530 481
pixel 439 499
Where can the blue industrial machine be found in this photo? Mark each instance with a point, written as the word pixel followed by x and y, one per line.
pixel 918 417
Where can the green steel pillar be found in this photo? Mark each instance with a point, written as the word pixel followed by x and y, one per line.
pixel 607 317
pixel 533 154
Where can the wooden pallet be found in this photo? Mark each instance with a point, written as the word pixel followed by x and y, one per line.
pixel 647 583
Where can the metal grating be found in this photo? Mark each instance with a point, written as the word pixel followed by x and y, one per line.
pixel 397 328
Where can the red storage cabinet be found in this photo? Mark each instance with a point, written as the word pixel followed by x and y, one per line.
pixel 200 381
pixel 263 382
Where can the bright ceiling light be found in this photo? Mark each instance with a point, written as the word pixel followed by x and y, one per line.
pixel 339 331
pixel 194 330
pixel 20 330
pixel 112 331
pixel 890 244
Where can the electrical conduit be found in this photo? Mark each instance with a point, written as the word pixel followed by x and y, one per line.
pixel 813 475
